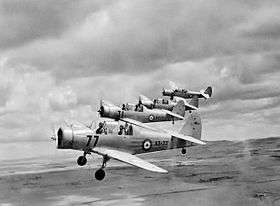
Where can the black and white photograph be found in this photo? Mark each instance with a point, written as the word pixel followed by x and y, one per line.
pixel 139 102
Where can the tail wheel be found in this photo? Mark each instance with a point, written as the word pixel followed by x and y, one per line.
pixel 183 151
pixel 100 174
pixel 82 160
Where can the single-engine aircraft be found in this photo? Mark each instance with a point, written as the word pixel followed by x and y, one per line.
pixel 187 94
pixel 141 113
pixel 161 103
pixel 122 140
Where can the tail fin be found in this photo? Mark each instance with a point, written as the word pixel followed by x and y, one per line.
pixel 192 127
pixel 179 108
pixel 208 91
pixel 194 101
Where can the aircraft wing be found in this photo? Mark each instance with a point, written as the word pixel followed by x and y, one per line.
pixel 173 114
pixel 128 158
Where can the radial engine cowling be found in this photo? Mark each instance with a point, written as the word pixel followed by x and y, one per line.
pixel 167 92
pixel 110 112
pixel 73 138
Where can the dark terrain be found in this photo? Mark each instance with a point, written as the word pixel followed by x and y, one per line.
pixel 220 173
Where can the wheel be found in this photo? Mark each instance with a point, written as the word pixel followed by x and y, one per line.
pixel 100 174
pixel 82 160
pixel 184 151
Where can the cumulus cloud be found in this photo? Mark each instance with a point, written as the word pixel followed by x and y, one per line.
pixel 137 36
pixel 60 58
pixel 23 21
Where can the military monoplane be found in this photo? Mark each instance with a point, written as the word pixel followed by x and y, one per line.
pixel 167 104
pixel 175 91
pixel 122 140
pixel 141 113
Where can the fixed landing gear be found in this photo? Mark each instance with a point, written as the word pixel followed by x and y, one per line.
pixel 183 151
pixel 100 174
pixel 82 160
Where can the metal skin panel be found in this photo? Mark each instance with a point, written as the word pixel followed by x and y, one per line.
pixel 134 144
pixel 165 106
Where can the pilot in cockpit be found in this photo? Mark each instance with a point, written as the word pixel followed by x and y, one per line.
pixel 101 128
pixel 126 129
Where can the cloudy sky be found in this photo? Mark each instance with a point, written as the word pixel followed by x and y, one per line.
pixel 58 58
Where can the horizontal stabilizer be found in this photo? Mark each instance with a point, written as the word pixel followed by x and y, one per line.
pixel 128 158
pixel 207 93
pixel 206 96
pixel 190 107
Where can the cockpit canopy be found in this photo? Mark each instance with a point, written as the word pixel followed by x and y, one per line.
pixel 161 101
pixel 118 128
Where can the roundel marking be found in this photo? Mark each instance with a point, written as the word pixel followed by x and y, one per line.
pixel 147 144
pixel 151 117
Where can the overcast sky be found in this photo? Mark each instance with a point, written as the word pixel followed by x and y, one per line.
pixel 58 58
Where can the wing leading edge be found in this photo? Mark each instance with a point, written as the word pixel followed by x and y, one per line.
pixel 128 158
pixel 172 114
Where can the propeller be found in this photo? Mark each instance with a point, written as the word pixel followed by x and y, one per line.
pixel 140 100
pixel 89 125
pixel 53 136
pixel 101 109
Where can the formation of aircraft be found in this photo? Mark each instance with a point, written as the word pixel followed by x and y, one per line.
pixel 124 134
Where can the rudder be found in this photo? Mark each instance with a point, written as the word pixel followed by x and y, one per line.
pixel 179 108
pixel 192 127
pixel 208 91
pixel 194 101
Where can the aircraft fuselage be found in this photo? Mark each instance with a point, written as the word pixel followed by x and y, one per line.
pixel 145 116
pixel 181 93
pixel 140 141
